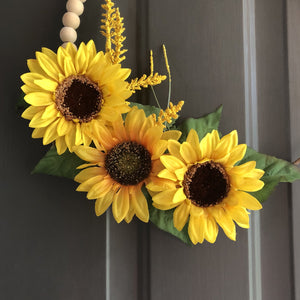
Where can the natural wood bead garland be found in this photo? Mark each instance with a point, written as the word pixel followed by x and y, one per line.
pixel 71 21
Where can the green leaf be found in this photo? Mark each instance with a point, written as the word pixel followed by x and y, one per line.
pixel 59 165
pixel 148 109
pixel 202 125
pixel 163 219
pixel 276 170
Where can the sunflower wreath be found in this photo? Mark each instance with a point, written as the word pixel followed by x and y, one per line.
pixel 184 177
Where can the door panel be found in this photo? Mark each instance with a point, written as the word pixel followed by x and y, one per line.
pixel 54 247
pixel 205 48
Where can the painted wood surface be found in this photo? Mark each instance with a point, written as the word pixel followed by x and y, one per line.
pixel 54 247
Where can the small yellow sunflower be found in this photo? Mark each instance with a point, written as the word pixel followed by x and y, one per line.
pixel 125 158
pixel 206 187
pixel 71 92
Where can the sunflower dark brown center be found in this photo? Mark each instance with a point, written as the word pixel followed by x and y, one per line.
pixel 77 97
pixel 206 184
pixel 128 163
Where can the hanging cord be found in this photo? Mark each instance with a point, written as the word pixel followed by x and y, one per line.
pixel 71 21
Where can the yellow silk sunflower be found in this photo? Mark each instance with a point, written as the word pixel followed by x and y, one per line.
pixel 70 92
pixel 125 158
pixel 206 187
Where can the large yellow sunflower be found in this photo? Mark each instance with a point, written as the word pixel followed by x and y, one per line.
pixel 125 158
pixel 206 187
pixel 71 92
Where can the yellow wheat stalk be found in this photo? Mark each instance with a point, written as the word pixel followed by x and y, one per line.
pixel 145 81
pixel 169 114
pixel 112 30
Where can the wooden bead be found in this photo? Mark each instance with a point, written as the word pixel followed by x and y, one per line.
pixel 68 34
pixel 75 6
pixel 70 19
pixel 66 43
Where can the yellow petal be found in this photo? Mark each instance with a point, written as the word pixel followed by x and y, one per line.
pixel 246 184
pixel 96 67
pixel 71 50
pixel 88 184
pixel 34 67
pixel 206 146
pixel 165 173
pixel 232 198
pixel 148 123
pixel 70 138
pixel 110 74
pixel 81 61
pixel 49 53
pixel 64 127
pixel 91 50
pixel 100 189
pixel 226 144
pixel 88 154
pixel 61 145
pixel 102 204
pixel 225 222
pixel 256 173
pixel 37 121
pixel 119 129
pixel 215 139
pixel 30 78
pixel 38 133
pixel 165 197
pixel 181 215
pixel 164 207
pixel 48 65
pixel 120 205
pixel 211 230
pixel 152 135
pixel 69 68
pixel 237 154
pixel 27 89
pixel 244 168
pixel 47 84
pixel 50 133
pixel 171 163
pixel 160 185
pixel 193 140
pixel 103 135
pixel 180 173
pixel 179 196
pixel 39 99
pixel 129 215
pixel 158 149
pixel 61 56
pixel 196 229
pixel 239 215
pixel 188 153
pixel 88 173
pixel 140 205
pixel 50 112
pixel 197 211
pixel 134 121
pixel 248 201
pixel 78 136
pixel 174 149
pixel 171 135
pixel 30 112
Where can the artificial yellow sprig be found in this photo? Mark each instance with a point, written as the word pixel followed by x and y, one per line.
pixel 107 21
pixel 118 39
pixel 145 81
pixel 112 29
pixel 169 114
